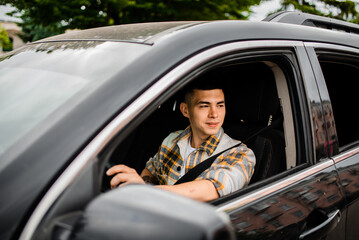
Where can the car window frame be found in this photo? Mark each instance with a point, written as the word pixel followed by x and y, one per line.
pixel 282 59
pixel 341 51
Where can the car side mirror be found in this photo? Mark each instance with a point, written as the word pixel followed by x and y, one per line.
pixel 145 212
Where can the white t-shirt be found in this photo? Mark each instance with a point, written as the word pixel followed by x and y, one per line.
pixel 189 150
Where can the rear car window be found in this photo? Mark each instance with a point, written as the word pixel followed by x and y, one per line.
pixel 340 72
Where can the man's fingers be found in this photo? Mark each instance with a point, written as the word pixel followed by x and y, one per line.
pixel 125 178
pixel 118 179
pixel 120 169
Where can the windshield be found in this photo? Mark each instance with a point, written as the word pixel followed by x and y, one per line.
pixel 42 78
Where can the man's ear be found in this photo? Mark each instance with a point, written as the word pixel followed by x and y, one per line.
pixel 184 109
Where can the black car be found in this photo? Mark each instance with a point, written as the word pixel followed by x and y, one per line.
pixel 73 105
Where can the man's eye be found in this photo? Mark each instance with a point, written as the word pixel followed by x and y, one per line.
pixel 203 106
pixel 221 105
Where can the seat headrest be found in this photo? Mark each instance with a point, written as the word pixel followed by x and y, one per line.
pixel 251 94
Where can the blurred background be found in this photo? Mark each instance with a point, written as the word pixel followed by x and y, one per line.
pixel 23 21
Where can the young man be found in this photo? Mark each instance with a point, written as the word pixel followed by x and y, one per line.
pixel 204 106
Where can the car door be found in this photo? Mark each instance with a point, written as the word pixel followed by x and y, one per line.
pixel 297 196
pixel 337 70
pixel 305 200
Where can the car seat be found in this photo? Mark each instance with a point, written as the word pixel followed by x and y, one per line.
pixel 252 104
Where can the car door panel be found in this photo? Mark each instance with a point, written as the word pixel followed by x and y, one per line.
pixel 347 164
pixel 334 68
pixel 307 202
pixel 305 205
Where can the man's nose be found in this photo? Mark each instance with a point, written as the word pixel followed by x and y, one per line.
pixel 213 112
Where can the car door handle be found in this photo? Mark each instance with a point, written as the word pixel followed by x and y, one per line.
pixel 323 228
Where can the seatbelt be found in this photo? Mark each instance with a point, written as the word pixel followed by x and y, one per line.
pixel 200 168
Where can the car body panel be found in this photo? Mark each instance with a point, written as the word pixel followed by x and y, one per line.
pixel 292 208
pixel 347 164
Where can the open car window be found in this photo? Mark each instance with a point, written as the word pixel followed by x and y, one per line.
pixel 257 95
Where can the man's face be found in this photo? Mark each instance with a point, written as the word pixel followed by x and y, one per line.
pixel 206 112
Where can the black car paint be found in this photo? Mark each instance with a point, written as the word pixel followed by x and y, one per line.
pixel 98 110
pixel 348 170
pixel 291 212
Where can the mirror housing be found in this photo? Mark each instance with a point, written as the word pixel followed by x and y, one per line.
pixel 145 212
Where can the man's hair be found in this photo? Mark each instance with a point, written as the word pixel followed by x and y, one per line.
pixel 207 81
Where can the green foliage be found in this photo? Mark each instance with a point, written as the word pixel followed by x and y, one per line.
pixel 5 42
pixel 339 9
pixel 43 18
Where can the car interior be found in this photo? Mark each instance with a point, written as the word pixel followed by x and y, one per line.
pixel 257 108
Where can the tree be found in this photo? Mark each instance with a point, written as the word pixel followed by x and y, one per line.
pixel 343 10
pixel 5 42
pixel 50 17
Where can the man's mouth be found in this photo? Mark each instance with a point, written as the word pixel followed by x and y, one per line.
pixel 212 124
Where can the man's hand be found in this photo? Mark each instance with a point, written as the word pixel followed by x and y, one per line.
pixel 124 175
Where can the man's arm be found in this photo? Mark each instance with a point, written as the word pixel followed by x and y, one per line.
pixel 202 190
pixel 148 177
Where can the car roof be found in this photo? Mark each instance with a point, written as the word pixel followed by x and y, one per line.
pixel 136 32
pixel 279 27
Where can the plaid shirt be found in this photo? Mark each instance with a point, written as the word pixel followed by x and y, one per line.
pixel 231 171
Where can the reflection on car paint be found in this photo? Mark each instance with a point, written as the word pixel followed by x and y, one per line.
pixel 291 209
pixel 324 126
